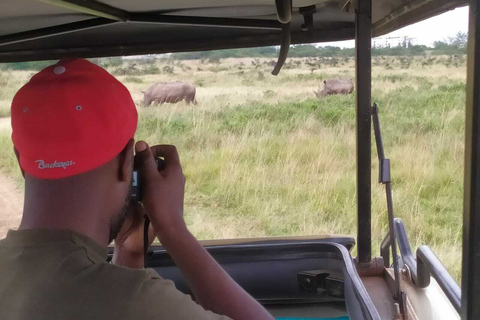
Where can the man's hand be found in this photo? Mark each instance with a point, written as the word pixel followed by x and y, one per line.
pixel 129 247
pixel 163 191
pixel 163 200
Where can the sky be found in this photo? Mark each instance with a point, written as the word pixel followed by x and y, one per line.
pixel 427 31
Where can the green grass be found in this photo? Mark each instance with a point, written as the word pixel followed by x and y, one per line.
pixel 264 157
pixel 8 161
pixel 133 79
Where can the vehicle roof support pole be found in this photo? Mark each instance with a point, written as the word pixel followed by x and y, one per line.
pixel 471 201
pixel 363 44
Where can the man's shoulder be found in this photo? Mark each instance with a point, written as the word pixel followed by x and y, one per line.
pixel 149 296
pixel 125 290
pixel 140 286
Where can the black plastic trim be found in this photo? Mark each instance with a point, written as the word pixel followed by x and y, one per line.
pixel 268 253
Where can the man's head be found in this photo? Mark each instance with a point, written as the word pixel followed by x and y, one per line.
pixel 73 126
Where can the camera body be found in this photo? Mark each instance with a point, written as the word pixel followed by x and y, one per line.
pixel 136 189
pixel 135 192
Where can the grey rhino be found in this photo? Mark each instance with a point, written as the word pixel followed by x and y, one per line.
pixel 335 86
pixel 171 92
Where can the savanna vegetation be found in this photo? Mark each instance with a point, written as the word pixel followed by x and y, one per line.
pixel 264 157
pixel 451 46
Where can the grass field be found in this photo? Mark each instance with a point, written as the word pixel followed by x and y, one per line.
pixel 264 157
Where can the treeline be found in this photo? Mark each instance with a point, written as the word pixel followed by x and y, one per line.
pixel 308 51
pixel 449 47
pixel 39 65
pixel 296 51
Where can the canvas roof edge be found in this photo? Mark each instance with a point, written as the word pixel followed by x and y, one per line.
pixel 412 12
pixel 346 31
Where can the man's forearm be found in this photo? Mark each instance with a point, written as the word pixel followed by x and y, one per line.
pixel 211 285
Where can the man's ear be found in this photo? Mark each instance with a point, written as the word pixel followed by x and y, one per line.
pixel 126 162
pixel 17 154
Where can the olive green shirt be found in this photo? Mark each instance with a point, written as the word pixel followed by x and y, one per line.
pixel 53 275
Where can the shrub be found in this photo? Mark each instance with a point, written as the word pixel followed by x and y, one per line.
pixel 130 70
pixel 4 79
pixel 133 79
pixel 168 69
pixel 108 62
pixel 199 82
pixel 214 60
pixel 405 62
pixel 269 94
pixel 30 65
pixel 151 69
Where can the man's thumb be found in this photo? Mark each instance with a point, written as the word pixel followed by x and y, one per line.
pixel 144 159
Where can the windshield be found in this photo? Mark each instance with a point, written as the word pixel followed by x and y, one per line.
pixel 275 156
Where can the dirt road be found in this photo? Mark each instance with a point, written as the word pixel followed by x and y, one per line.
pixel 11 198
pixel 5 124
pixel 11 205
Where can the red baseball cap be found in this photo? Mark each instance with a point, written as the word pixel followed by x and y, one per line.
pixel 70 118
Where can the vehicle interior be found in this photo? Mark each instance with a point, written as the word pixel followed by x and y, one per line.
pixel 294 277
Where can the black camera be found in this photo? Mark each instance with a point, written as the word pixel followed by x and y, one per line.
pixel 136 190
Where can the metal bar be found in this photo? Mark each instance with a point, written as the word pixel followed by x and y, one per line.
pixel 54 31
pixel 471 198
pixel 91 7
pixel 152 18
pixel 384 177
pixel 428 265
pixel 388 191
pixel 363 127
pixel 385 250
pixel 384 164
pixel 378 134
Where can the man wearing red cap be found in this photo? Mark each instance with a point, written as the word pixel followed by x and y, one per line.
pixel 73 127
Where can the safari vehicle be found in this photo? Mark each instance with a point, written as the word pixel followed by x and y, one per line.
pixel 314 277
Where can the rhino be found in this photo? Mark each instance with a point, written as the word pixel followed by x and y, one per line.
pixel 335 86
pixel 171 92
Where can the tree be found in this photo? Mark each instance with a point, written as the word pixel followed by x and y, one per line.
pixel 460 40
pixel 452 45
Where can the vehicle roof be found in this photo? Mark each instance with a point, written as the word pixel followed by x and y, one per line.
pixel 123 27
